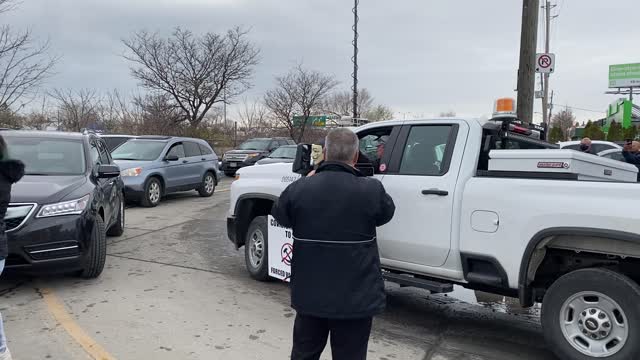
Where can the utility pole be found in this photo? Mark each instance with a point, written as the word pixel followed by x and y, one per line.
pixel 527 69
pixel 355 60
pixel 545 82
pixel 551 108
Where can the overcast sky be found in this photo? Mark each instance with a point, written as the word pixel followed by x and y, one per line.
pixel 420 57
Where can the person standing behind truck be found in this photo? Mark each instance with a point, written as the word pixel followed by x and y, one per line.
pixel 336 281
pixel 631 154
pixel 10 172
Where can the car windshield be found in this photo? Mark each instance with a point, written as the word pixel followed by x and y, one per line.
pixel 48 157
pixel 254 145
pixel 114 141
pixel 140 150
pixel 284 152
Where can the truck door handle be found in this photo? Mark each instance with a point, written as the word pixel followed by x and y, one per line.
pixel 435 192
pixel 203 159
pixel 185 161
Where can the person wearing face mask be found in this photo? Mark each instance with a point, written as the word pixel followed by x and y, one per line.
pixel 585 146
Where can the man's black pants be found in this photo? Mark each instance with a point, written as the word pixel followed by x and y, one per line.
pixel 349 338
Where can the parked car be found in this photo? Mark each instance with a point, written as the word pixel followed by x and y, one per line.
pixel 596 145
pixel 153 166
pixel 615 154
pixel 113 141
pixel 70 198
pixel 283 154
pixel 249 152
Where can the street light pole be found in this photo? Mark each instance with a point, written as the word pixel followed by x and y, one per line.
pixel 354 59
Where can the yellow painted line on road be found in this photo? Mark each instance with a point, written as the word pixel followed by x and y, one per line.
pixel 223 190
pixel 59 312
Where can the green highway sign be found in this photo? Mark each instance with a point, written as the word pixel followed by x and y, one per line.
pixel 319 121
pixel 624 75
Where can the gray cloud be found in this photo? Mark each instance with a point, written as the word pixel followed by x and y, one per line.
pixel 415 56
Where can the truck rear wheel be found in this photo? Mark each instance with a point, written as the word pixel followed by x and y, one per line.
pixel 593 313
pixel 255 249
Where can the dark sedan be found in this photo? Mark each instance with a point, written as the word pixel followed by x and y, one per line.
pixel 283 154
pixel 70 198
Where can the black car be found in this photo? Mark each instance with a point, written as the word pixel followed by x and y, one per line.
pixel 70 198
pixel 249 152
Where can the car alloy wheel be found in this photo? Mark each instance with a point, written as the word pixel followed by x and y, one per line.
pixel 209 184
pixel 154 192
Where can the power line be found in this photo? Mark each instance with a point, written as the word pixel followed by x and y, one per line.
pixel 581 109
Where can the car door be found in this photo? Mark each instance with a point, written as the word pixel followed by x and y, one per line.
pixel 195 166
pixel 422 184
pixel 175 176
pixel 209 156
pixel 104 186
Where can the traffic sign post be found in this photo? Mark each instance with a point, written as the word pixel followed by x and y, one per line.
pixel 545 63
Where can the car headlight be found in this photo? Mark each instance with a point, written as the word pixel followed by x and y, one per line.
pixel 249 156
pixel 131 172
pixel 73 207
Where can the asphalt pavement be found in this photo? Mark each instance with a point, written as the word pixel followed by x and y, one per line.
pixel 175 288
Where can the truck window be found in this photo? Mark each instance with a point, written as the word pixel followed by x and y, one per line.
pixel 425 149
pixel 372 145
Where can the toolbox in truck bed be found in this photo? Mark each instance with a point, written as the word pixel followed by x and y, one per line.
pixel 584 166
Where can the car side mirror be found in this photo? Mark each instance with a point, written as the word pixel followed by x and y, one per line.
pixel 108 171
pixel 171 158
pixel 302 161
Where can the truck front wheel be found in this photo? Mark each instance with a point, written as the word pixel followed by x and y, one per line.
pixel 593 313
pixel 255 249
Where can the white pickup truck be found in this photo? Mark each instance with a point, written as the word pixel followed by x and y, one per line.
pixel 555 228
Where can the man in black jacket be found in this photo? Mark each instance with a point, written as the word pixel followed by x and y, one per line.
pixel 10 172
pixel 336 283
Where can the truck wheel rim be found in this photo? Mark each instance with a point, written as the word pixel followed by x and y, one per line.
pixel 154 192
pixel 256 249
pixel 594 324
pixel 122 213
pixel 208 184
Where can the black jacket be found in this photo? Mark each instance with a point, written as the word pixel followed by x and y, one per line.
pixel 336 266
pixel 10 172
pixel 633 159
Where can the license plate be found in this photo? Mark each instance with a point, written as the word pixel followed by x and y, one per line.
pixel 233 164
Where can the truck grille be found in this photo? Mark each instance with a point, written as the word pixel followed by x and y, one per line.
pixel 17 215
pixel 235 157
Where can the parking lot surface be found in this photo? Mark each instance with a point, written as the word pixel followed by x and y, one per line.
pixel 175 288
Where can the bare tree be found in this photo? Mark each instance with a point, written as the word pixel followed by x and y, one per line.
pixel 301 92
pixel 341 103
pixel 378 113
pixel 196 72
pixel 564 120
pixel 158 115
pixel 77 109
pixel 24 63
pixel 253 118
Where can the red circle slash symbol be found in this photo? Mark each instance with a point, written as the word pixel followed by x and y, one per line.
pixel 544 61
pixel 286 253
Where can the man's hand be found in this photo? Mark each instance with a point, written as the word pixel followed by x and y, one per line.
pixel 311 173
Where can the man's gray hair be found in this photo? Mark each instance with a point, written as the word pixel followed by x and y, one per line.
pixel 341 145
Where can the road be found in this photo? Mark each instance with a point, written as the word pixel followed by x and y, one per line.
pixel 175 288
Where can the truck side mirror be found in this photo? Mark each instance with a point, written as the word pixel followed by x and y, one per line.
pixel 302 162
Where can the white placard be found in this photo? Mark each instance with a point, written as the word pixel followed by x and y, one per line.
pixel 280 246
